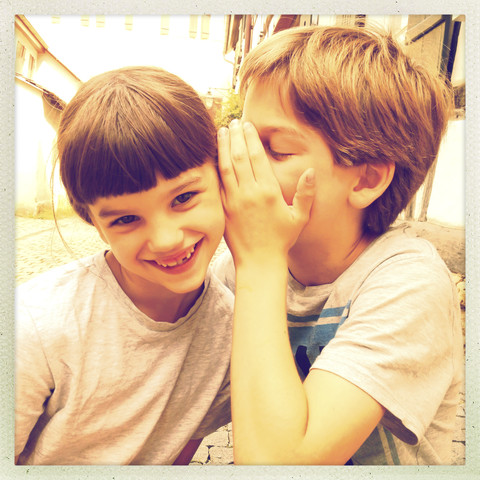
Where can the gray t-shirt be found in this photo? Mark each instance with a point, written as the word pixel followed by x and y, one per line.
pixel 390 324
pixel 99 382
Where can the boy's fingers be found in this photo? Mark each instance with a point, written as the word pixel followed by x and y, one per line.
pixel 260 164
pixel 303 199
pixel 239 154
pixel 225 167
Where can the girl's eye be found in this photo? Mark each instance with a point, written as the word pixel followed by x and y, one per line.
pixel 125 220
pixel 183 198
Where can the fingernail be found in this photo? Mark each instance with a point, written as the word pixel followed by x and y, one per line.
pixel 247 126
pixel 310 177
pixel 223 132
pixel 234 122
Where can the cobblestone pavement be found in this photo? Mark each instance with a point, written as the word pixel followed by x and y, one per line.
pixel 39 247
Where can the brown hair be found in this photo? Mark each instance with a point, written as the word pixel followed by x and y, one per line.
pixel 126 126
pixel 368 99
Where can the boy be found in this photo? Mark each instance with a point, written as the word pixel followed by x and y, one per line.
pixel 369 368
pixel 123 357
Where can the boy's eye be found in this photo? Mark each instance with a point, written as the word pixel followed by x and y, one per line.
pixel 125 220
pixel 183 198
pixel 277 155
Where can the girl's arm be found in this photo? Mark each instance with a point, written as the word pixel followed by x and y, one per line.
pixel 34 382
pixel 188 452
pixel 277 419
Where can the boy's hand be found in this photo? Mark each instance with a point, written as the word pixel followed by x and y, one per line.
pixel 259 222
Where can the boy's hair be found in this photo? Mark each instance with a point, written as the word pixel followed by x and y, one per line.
pixel 369 101
pixel 126 126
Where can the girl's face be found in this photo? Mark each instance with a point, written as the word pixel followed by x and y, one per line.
pixel 166 236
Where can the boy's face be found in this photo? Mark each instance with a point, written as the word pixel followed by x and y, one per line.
pixel 165 236
pixel 292 147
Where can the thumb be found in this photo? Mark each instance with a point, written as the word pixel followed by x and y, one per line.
pixel 303 199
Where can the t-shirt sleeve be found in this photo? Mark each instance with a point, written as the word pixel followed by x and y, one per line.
pixel 33 379
pixel 399 340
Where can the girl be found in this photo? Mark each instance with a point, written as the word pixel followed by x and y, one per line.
pixel 122 357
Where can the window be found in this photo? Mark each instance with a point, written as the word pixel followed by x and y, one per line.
pixel 193 26
pixel 31 66
pixel 100 21
pixel 205 22
pixel 164 24
pixel 20 58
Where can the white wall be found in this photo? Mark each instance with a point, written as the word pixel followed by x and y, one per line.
pixel 447 202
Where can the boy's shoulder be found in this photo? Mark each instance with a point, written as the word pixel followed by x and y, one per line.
pixel 403 237
pixel 398 243
pixel 398 255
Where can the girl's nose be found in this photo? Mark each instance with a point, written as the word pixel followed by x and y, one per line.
pixel 165 236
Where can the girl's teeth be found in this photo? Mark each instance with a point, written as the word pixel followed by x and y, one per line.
pixel 181 261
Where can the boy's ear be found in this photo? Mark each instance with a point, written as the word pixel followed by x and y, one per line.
pixel 372 181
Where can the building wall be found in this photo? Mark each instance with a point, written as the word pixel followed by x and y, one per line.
pixel 36 120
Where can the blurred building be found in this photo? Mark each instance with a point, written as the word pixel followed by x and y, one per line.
pixel 43 85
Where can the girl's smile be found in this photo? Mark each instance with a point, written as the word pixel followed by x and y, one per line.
pixel 180 263
pixel 162 239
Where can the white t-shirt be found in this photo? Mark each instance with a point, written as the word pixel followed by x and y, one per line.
pixel 390 324
pixel 99 382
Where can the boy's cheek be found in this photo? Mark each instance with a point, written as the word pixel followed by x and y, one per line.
pixel 287 175
pixel 288 188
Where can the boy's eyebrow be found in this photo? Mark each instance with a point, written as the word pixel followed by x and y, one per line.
pixel 106 212
pixel 290 131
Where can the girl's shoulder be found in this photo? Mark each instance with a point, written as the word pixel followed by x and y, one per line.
pixel 63 282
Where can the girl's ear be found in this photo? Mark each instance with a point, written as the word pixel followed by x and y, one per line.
pixel 102 236
pixel 99 230
pixel 372 181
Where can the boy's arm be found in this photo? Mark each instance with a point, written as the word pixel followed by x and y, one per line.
pixel 276 418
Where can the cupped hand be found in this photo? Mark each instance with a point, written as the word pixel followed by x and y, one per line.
pixel 259 223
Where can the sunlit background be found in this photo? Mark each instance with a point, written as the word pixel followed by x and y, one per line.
pixel 55 54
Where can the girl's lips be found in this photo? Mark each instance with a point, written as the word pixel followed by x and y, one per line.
pixel 178 259
pixel 182 263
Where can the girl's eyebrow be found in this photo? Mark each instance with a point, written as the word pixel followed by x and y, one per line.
pixel 191 182
pixel 105 213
